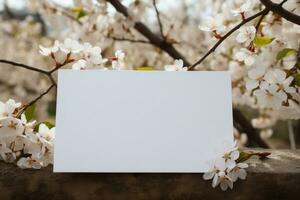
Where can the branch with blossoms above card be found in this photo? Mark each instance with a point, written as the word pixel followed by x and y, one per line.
pixel 258 42
pixel 162 42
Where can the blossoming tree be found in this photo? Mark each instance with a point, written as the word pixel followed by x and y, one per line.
pixel 257 41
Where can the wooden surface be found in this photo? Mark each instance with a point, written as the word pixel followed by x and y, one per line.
pixel 275 178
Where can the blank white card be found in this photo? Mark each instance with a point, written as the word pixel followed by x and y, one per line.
pixel 141 121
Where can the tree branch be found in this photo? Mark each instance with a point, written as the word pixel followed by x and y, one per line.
pixel 159 20
pixel 220 41
pixel 243 125
pixel 152 37
pixel 278 9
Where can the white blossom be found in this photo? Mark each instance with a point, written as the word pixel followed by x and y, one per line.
pixel 93 54
pixel 231 155
pixel 278 76
pixel 33 145
pixel 29 126
pixel 71 46
pixel 270 97
pixel 27 163
pixel 79 65
pixel 47 51
pixel 245 7
pixel 225 171
pixel 8 108
pixel 213 25
pixel 10 127
pixel 255 75
pixel 177 66
pixel 246 35
pixel 219 175
pixel 236 70
pixel 246 56
pixel 118 61
pixel 238 172
pixel 292 111
pixel 46 133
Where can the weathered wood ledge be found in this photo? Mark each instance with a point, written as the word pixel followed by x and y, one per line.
pixel 275 178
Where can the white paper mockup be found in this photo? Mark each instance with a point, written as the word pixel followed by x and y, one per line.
pixel 141 121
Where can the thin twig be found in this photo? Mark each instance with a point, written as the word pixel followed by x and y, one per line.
pixel 24 66
pixel 35 100
pixel 161 29
pixel 291 135
pixel 260 21
pixel 226 36
pixel 129 40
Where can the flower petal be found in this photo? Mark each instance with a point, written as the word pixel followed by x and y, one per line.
pixel 208 175
pixel 229 183
pixel 251 84
pixel 249 60
pixel 230 164
pixel 235 154
pixel 215 181
pixel 233 175
pixel 242 165
pixel 223 185
pixel 242 174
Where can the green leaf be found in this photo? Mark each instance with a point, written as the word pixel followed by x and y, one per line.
pixel 29 112
pixel 48 124
pixel 297 80
pixel 144 68
pixel 243 157
pixel 261 41
pixel 79 11
pixel 285 52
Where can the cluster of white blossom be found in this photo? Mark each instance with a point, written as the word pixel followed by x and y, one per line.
pixel 22 142
pixel 263 59
pixel 82 56
pixel 85 56
pixel 226 170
